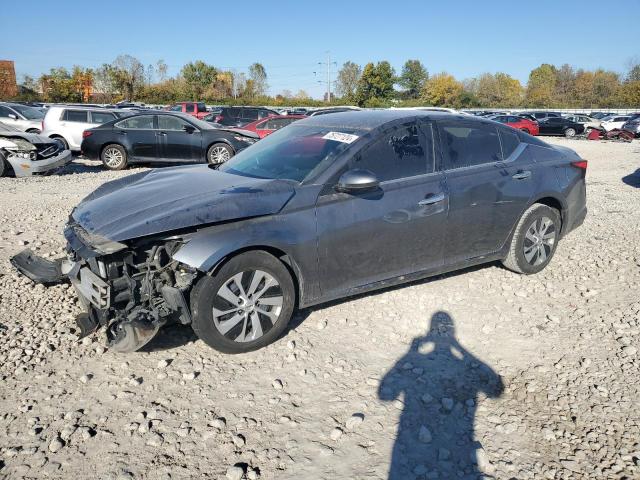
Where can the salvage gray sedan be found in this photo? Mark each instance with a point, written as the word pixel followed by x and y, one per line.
pixel 327 207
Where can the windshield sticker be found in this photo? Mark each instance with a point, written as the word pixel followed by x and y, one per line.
pixel 341 137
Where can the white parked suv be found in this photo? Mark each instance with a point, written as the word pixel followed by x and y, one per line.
pixel 67 122
pixel 614 121
pixel 22 117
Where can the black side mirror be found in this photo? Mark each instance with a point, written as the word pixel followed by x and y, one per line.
pixel 356 181
pixel 189 128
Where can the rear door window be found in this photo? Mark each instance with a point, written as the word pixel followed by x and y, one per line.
pixel 401 152
pixel 80 116
pixel 189 107
pixel 202 107
pixel 467 144
pixel 250 113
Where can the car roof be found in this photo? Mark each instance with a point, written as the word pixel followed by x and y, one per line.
pixel 371 119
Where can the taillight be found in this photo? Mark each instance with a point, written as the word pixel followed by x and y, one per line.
pixel 87 133
pixel 581 164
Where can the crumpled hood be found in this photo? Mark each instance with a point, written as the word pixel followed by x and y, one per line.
pixel 29 137
pixel 168 199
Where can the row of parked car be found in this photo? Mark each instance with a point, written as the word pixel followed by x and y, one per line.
pixel 188 132
pixel 568 124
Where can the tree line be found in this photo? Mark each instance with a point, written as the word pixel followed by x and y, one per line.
pixel 374 85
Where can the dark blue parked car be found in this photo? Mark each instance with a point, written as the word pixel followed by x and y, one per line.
pixel 325 208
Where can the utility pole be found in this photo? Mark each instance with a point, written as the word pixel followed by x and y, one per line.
pixel 328 64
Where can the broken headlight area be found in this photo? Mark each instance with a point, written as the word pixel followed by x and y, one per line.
pixel 132 293
pixel 19 148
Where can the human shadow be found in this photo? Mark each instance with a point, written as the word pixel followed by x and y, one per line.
pixel 633 179
pixel 440 382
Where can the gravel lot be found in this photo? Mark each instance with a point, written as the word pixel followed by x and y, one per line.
pixel 529 377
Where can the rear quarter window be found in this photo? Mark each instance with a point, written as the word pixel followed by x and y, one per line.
pixel 510 142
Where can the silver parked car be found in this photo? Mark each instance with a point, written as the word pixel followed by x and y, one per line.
pixel 22 117
pixel 67 122
pixel 23 154
pixel 588 122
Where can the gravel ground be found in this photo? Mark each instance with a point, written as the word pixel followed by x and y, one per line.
pixel 482 372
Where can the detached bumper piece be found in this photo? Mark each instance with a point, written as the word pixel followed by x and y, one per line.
pixel 38 269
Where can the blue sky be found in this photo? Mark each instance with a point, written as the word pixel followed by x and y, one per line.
pixel 289 37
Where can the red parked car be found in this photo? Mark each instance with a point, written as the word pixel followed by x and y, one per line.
pixel 521 123
pixel 197 109
pixel 267 126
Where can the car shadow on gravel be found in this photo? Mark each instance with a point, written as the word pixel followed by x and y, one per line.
pixel 633 179
pixel 440 382
pixel 170 337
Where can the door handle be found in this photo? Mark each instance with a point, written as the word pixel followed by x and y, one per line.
pixel 431 199
pixel 161 134
pixel 122 132
pixel 522 174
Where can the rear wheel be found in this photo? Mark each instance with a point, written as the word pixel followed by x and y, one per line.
pixel 246 305
pixel 534 240
pixel 525 130
pixel 114 157
pixel 570 132
pixel 219 153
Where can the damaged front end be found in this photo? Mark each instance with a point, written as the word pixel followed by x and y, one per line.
pixel 130 290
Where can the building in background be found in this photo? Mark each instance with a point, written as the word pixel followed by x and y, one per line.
pixel 8 84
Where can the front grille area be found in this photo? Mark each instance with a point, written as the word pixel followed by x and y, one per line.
pixel 47 150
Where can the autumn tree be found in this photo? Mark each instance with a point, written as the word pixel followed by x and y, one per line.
pixel 412 78
pixel 347 80
pixel 442 90
pixel 541 86
pixel 497 90
pixel 375 84
pixel 199 77
pixel 258 76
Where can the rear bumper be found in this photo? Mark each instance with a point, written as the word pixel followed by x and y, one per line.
pixel 25 167
pixel 574 220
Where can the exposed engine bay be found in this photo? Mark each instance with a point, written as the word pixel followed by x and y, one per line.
pixel 131 292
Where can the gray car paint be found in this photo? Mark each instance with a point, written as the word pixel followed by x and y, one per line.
pixel 174 198
pixel 338 243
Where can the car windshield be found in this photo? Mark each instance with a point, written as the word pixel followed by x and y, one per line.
pixel 292 153
pixel 29 113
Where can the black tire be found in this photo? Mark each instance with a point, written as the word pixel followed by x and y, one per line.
pixel 5 166
pixel 238 339
pixel 526 130
pixel 570 132
pixel 114 157
pixel 217 152
pixel 524 254
pixel 64 142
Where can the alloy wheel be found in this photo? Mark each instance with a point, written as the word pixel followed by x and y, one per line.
pixel 539 241
pixel 247 305
pixel 218 155
pixel 113 157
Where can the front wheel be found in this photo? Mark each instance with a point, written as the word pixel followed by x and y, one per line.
pixel 526 130
pixel 569 133
pixel 5 166
pixel 219 153
pixel 534 240
pixel 246 305
pixel 114 157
